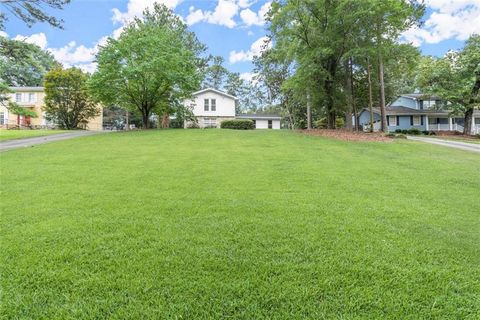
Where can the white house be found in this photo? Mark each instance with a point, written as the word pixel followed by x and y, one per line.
pixel 211 106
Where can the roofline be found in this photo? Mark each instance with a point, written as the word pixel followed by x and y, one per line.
pixel 26 88
pixel 214 90
pixel 260 117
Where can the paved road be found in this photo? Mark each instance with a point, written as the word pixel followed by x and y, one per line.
pixel 449 143
pixel 30 142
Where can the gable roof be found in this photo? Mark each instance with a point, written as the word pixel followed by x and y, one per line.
pixel 420 96
pixel 216 91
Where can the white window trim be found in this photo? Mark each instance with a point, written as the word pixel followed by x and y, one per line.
pixel 17 96
pixel 392 122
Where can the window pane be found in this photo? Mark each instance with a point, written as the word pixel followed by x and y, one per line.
pixel 214 104
pixel 18 97
pixel 31 97
pixel 205 104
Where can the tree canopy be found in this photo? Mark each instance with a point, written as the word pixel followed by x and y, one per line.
pixel 24 64
pixel 32 11
pixel 155 63
pixel 67 100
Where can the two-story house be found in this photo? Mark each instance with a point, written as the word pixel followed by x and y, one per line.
pixel 211 106
pixel 418 111
pixel 33 99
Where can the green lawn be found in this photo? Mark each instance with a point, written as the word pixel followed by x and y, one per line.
pixel 202 224
pixel 20 134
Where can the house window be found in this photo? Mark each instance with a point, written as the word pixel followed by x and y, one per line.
pixel 416 120
pixel 270 124
pixel 210 122
pixel 392 121
pixel 32 97
pixel 213 103
pixel 205 104
pixel 18 97
pixel 2 117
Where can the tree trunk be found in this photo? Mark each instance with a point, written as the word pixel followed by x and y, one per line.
pixel 352 88
pixel 309 113
pixel 348 91
pixel 165 121
pixel 330 91
pixel 382 93
pixel 145 119
pixel 467 130
pixel 127 126
pixel 370 95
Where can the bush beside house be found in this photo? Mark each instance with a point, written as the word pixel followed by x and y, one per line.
pixel 238 124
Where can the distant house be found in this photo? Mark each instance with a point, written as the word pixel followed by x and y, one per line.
pixel 211 106
pixel 418 111
pixel 33 99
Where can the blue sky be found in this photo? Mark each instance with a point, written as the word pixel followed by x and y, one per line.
pixel 230 28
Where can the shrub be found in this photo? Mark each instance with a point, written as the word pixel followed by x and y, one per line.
pixel 192 125
pixel 238 124
pixel 404 131
pixel 390 135
pixel 414 131
pixel 398 131
pixel 322 123
pixel 426 132
pixel 400 136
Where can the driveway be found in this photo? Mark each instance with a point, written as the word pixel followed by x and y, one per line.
pixel 30 142
pixel 448 143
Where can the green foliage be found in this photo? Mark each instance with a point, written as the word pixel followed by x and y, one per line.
pixel 151 67
pixel 238 124
pixel 238 224
pixel 67 101
pixel 414 131
pixel 454 78
pixel 323 124
pixel 24 64
pixel 32 11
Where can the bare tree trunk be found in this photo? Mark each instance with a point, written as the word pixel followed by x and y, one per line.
pixel 382 94
pixel 370 95
pixel 352 88
pixel 309 113
pixel 467 130
pixel 127 124
pixel 348 91
pixel 165 121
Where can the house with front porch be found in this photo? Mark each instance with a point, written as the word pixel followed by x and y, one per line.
pixel 418 111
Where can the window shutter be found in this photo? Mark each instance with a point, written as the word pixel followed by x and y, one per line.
pixel 421 120
pixel 411 120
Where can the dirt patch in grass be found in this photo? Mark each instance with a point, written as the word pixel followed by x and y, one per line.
pixel 348 135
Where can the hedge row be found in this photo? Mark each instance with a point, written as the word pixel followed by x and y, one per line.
pixel 238 124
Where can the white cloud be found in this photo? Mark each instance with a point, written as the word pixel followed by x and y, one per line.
pixel 72 54
pixel 223 14
pixel 450 19
pixel 40 39
pixel 250 33
pixel 135 8
pixel 255 50
pixel 250 18
pixel 3 34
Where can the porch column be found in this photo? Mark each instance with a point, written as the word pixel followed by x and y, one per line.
pixel 426 123
pixel 450 124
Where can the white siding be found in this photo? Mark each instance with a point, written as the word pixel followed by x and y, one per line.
pixel 225 106
pixel 263 124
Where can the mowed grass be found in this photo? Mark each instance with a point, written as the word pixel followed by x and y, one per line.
pixel 20 134
pixel 215 224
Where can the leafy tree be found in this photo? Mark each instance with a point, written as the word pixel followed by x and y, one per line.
pixel 24 64
pixel 455 78
pixel 67 101
pixel 32 11
pixel 216 74
pixel 155 62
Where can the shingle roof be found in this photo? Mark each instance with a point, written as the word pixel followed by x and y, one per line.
pixel 216 91
pixel 421 96
pixel 26 89
pixel 259 116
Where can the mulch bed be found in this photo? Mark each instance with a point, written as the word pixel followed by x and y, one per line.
pixel 347 135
